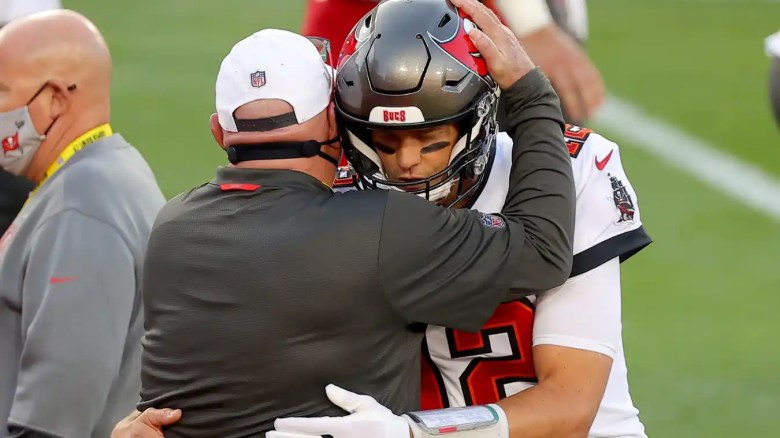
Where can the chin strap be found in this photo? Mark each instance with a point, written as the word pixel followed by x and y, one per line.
pixel 281 150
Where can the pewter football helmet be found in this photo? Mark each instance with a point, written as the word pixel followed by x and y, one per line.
pixel 410 64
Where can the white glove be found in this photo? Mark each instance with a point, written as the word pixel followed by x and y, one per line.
pixel 367 418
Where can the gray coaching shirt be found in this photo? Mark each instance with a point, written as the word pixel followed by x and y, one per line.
pixel 263 286
pixel 70 307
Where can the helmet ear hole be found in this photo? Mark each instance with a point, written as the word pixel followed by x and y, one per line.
pixel 444 20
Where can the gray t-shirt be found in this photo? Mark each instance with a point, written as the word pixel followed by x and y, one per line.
pixel 70 309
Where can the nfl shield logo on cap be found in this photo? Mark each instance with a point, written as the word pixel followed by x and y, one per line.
pixel 258 79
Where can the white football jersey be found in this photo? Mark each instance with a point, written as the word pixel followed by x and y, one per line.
pixel 462 368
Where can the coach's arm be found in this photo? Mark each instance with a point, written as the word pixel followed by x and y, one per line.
pixel 541 195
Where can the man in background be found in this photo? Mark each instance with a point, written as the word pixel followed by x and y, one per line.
pixel 71 262
pixel 14 190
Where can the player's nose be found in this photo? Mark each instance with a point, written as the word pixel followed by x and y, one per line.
pixel 408 157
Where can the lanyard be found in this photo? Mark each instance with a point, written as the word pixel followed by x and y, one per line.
pixel 85 139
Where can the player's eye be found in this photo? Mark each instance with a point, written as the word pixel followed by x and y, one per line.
pixel 435 147
pixel 387 150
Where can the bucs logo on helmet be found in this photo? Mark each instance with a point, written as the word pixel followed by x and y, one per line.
pixel 463 49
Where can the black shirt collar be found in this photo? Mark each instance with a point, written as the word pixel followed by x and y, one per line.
pixel 269 178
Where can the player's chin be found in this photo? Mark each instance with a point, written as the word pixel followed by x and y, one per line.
pixel 417 188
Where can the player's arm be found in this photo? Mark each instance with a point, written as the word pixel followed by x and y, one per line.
pixel 541 186
pixel 576 334
pixel 79 292
pixel 577 326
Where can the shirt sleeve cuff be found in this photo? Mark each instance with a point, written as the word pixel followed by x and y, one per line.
pixel 578 343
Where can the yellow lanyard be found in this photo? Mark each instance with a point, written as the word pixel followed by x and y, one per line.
pixel 87 138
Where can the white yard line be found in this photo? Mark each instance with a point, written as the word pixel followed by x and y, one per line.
pixel 735 2
pixel 723 172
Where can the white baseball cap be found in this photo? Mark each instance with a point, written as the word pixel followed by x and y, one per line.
pixel 273 64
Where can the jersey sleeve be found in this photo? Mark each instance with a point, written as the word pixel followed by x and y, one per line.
pixel 608 221
pixel 584 313
pixel 79 291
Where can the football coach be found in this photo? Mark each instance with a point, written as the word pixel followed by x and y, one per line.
pixel 263 286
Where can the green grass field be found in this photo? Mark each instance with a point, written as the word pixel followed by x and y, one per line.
pixel 700 305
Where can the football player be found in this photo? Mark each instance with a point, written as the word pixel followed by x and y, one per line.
pixel 418 112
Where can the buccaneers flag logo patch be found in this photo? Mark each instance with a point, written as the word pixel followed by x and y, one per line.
pixel 10 143
pixel 622 200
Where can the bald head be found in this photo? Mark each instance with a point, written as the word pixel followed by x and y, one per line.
pixel 57 63
pixel 56 45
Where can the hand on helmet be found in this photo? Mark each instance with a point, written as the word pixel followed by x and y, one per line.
pixel 505 57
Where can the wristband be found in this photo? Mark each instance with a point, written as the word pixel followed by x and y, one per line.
pixel 484 421
pixel 524 17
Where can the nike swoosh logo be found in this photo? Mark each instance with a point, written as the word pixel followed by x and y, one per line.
pixel 58 280
pixel 601 164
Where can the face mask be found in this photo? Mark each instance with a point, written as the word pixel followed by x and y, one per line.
pixel 19 139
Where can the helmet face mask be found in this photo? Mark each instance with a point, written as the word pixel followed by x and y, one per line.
pixel 467 161
pixel 411 65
